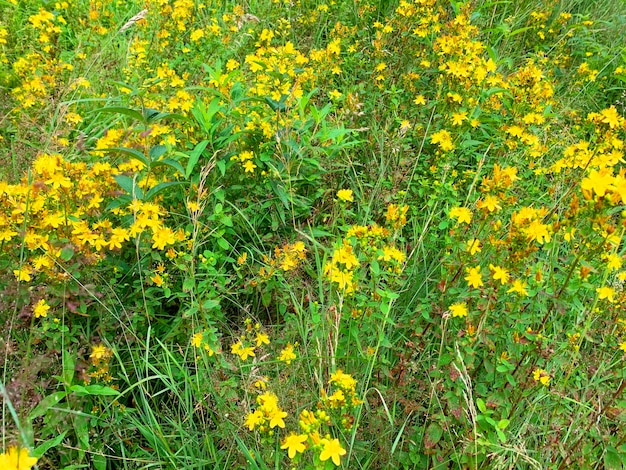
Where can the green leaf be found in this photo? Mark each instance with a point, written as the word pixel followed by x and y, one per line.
pixel 224 245
pixel 433 435
pixel 81 428
pixel 188 285
pixel 511 380
pixel 501 435
pixel 194 156
pixel 93 390
pixel 68 367
pixel 480 403
pixel 161 187
pixel 210 304
pixel 129 185
pixel 612 460
pixel 67 253
pixel 49 444
pixel 171 163
pixel 99 461
pixel 157 151
pixel 375 267
pixel 48 402
pixel 503 423
pixel 136 115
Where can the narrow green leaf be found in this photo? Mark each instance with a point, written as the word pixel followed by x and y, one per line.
pixel 194 156
pixel 161 187
pixel 171 163
pixel 95 390
pixel 49 444
pixel 46 403
pixel 136 115
pixel 68 367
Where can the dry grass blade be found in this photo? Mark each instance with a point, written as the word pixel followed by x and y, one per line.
pixel 139 16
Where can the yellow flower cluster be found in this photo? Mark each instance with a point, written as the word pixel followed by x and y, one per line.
pixel 267 416
pixel 340 270
pixel 396 215
pixel 367 244
pixel 343 397
pixel 286 258
pixel 251 339
pixel 59 212
pixel 201 340
pixel 100 357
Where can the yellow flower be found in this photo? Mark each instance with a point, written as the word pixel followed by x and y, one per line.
pixel 598 181
pixel 458 309
pixel 243 352
pixel 419 100
pixel 249 166
pixel 444 139
pixel 490 203
pixel 334 95
pixel 162 236
pixel 41 309
pixel 261 339
pixel 474 278
pixel 458 118
pixel 287 354
pixel 157 279
pixel 605 292
pixel 196 339
pixel 331 449
pixel 540 375
pixel 254 418
pixel 14 459
pixel 99 352
pixel 613 261
pixel 22 274
pixel 276 416
pixel 345 195
pixel 537 231
pixel 519 287
pixel 343 380
pixel 231 65
pixel 499 274
pixel 295 444
pixel 473 246
pixel 461 214
pixel 196 35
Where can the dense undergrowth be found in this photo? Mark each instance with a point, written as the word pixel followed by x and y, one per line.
pixel 370 234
